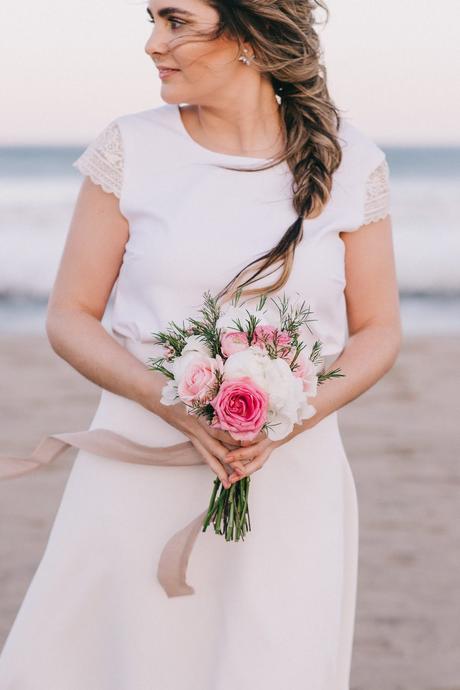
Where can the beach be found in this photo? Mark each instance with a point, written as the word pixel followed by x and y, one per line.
pixel 402 442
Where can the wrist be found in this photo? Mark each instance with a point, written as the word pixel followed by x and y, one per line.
pixel 149 392
pixel 303 426
pixel 178 417
pixel 149 395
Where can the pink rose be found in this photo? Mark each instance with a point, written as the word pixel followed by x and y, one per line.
pixel 306 370
pixel 270 335
pixel 241 408
pixel 233 341
pixel 197 381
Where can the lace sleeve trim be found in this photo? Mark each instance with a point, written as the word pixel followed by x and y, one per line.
pixel 102 160
pixel 377 204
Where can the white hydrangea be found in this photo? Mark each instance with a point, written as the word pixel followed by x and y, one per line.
pixel 287 402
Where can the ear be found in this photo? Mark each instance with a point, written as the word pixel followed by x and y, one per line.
pixel 247 49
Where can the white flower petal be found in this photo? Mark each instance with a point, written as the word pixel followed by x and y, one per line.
pixel 169 394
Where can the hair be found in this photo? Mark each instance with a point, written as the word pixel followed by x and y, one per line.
pixel 287 51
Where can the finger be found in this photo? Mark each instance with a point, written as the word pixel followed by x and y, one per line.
pixel 226 437
pixel 215 447
pixel 256 464
pixel 261 436
pixel 230 446
pixel 251 442
pixel 237 473
pixel 218 434
pixel 212 462
pixel 245 453
pixel 219 451
pixel 205 434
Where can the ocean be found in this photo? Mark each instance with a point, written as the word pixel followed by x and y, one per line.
pixel 38 189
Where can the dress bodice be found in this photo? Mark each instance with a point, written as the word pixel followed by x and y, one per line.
pixel 193 225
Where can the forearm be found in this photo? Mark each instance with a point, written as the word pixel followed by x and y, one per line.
pixel 83 342
pixel 368 355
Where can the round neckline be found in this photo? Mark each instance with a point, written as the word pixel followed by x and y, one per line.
pixel 203 149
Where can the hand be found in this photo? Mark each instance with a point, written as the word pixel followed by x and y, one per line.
pixel 212 444
pixel 226 438
pixel 253 456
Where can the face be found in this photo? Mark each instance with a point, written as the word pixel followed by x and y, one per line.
pixel 204 69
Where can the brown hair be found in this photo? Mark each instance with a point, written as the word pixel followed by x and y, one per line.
pixel 287 50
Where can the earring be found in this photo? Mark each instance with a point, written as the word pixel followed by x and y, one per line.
pixel 245 58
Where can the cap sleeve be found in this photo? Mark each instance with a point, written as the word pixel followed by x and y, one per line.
pixel 377 193
pixel 102 160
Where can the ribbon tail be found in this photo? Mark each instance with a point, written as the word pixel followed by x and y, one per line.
pixel 100 442
pixel 109 444
pixel 172 566
pixel 49 448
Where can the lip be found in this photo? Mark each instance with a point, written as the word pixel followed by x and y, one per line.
pixel 166 71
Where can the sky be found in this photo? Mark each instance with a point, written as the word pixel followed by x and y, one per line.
pixel 68 67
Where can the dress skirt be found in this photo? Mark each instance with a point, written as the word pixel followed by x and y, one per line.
pixel 273 612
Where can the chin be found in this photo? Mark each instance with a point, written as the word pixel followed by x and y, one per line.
pixel 172 98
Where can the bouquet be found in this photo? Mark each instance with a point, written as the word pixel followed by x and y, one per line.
pixel 245 370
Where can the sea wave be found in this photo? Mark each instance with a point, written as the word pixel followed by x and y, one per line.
pixel 38 193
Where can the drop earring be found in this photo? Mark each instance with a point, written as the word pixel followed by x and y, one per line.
pixel 245 58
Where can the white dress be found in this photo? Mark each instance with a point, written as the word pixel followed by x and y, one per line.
pixel 277 610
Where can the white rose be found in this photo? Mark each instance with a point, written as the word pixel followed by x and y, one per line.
pixel 272 375
pixel 282 428
pixel 284 425
pixel 169 395
pixel 285 390
pixel 287 401
pixel 306 411
pixel 252 362
pixel 195 343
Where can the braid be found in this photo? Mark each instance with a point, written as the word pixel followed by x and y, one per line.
pixel 287 51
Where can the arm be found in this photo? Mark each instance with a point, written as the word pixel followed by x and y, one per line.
pixel 372 301
pixel 374 323
pixel 375 334
pixel 87 272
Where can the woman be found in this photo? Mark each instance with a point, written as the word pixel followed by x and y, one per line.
pixel 167 210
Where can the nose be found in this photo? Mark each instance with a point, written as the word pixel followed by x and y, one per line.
pixel 156 44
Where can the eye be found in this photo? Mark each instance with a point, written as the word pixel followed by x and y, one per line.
pixel 176 21
pixel 173 20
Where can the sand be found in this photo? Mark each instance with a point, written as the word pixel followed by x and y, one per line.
pixel 402 440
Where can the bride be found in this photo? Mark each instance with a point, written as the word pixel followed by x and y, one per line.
pixel 246 171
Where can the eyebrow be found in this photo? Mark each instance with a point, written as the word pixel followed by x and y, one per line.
pixel 170 10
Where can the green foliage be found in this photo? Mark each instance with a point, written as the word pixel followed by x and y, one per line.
pixel 292 317
pixel 329 375
pixel 157 365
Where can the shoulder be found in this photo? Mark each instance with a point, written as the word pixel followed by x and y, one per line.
pixel 359 149
pixel 125 136
pixel 161 115
pixel 364 172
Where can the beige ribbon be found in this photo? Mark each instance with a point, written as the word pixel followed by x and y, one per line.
pixel 172 565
